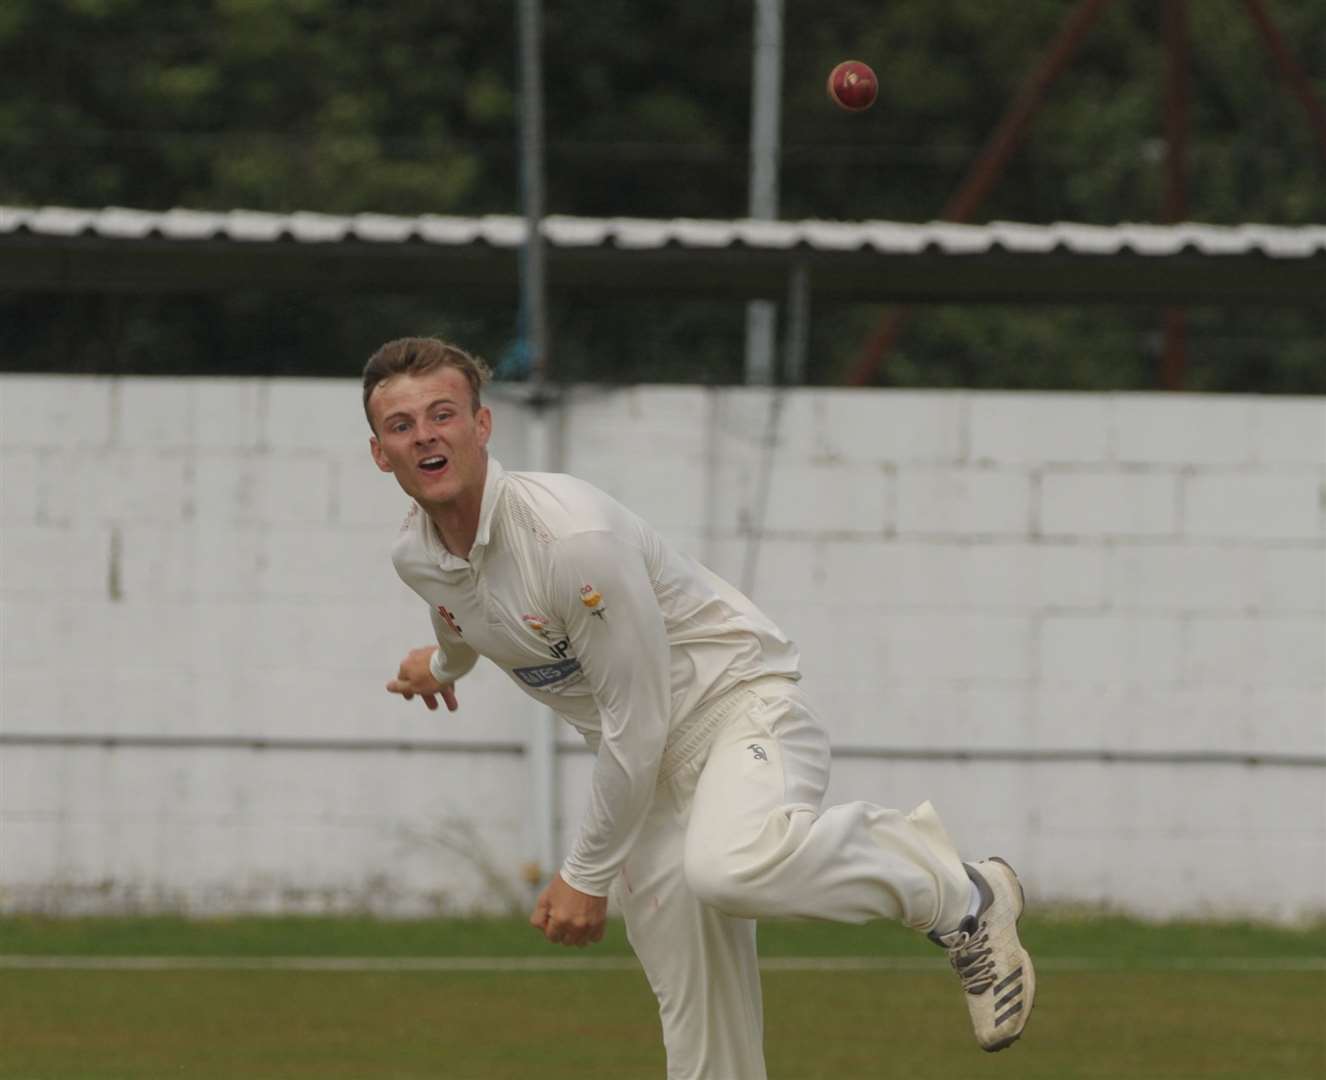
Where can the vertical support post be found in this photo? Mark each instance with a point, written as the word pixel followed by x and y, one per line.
pixel 766 116
pixel 761 320
pixel 541 749
pixel 533 289
pixel 797 332
pixel 1174 361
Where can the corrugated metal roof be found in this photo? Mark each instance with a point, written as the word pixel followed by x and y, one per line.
pixel 57 249
pixel 564 232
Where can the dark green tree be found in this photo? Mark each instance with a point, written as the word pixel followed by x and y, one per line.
pixel 407 108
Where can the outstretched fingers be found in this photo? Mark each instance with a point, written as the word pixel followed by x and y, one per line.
pixel 412 681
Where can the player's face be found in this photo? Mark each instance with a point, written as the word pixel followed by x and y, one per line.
pixel 429 438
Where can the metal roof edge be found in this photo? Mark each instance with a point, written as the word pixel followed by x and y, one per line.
pixel 1144 239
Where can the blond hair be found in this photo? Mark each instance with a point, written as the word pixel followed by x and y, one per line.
pixel 418 356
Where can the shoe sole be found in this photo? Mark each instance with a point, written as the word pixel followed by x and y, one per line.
pixel 1029 972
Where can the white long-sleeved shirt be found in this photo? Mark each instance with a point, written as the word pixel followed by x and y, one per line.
pixel 592 613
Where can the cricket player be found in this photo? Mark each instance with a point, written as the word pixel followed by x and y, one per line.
pixel 705 805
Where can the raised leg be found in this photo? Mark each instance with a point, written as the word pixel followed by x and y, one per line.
pixel 758 843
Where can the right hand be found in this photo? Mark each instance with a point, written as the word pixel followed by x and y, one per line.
pixel 416 677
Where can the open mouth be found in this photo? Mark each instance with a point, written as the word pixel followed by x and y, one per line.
pixel 433 464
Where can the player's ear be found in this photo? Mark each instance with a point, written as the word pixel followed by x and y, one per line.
pixel 483 420
pixel 375 448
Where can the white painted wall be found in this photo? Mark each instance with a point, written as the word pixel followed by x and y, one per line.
pixel 186 557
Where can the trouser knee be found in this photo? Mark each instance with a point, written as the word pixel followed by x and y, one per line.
pixel 716 883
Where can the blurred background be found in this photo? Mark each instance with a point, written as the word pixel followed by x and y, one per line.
pixel 325 105
pixel 1069 588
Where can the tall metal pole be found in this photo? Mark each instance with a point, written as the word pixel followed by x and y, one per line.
pixel 531 181
pixel 766 116
pixel 796 341
pixel 1175 359
pixel 542 745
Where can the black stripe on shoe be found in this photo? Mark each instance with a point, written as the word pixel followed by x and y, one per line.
pixel 1007 998
pixel 1016 974
pixel 1012 1011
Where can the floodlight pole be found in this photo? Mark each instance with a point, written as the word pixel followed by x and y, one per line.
pixel 766 112
pixel 1174 360
pixel 533 288
pixel 541 748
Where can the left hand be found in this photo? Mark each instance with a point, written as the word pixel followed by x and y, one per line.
pixel 416 677
pixel 566 916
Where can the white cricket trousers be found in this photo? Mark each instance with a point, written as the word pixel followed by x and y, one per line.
pixel 738 833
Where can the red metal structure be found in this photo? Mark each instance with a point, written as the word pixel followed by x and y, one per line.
pixel 1011 130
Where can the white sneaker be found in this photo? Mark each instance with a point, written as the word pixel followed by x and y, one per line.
pixel 984 950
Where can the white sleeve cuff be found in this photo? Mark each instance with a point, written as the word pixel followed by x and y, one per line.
pixel 437 665
pixel 581 885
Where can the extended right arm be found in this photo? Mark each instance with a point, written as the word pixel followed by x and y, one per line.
pixel 433 670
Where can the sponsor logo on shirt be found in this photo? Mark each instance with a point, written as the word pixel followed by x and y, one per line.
pixel 546 675
pixel 537 623
pixel 592 599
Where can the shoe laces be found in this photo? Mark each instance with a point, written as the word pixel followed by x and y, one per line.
pixel 972 958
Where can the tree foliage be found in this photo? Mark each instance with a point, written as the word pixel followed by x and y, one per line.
pixel 411 107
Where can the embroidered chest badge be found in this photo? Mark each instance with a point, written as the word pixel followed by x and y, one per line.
pixel 449 619
pixel 537 623
pixel 592 599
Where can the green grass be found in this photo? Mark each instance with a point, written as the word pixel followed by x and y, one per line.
pixel 1124 1017
pixel 1121 941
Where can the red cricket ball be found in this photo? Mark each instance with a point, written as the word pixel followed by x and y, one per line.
pixel 853 86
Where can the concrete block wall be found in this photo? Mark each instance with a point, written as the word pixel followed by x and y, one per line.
pixel 208 557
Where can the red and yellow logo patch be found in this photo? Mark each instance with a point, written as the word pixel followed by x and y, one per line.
pixel 592 599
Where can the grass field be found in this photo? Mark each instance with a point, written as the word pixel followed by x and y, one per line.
pixel 1116 999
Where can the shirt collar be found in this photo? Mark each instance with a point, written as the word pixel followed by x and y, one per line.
pixel 493 486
